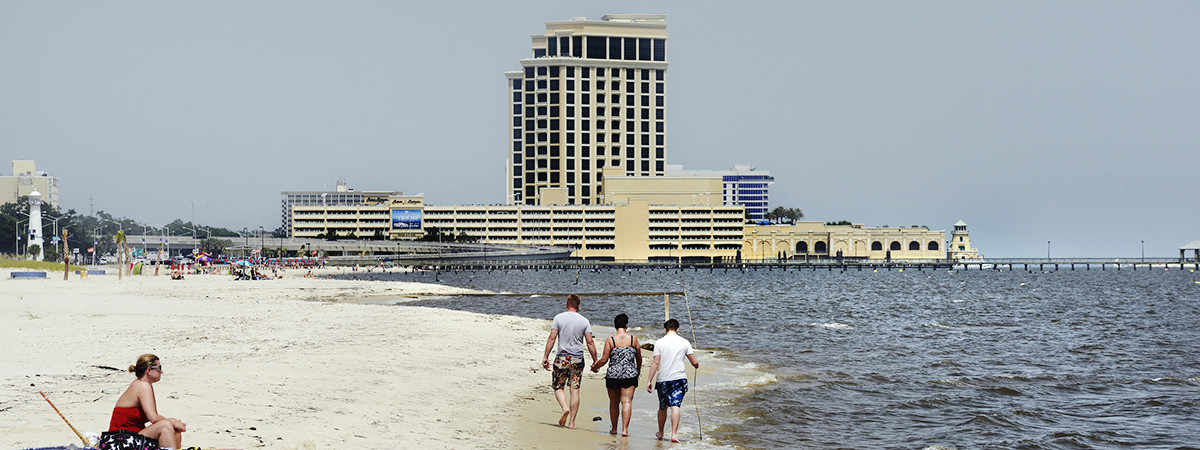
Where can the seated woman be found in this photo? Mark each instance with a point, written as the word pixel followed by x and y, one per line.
pixel 136 407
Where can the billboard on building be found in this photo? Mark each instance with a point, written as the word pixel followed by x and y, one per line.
pixel 406 219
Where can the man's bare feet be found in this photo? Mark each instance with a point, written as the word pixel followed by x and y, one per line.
pixel 625 433
pixel 562 421
pixel 658 435
pixel 613 431
pixel 674 439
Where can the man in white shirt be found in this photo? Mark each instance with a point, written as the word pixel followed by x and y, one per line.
pixel 669 353
pixel 572 331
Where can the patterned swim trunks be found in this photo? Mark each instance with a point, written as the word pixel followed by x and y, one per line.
pixel 670 393
pixel 567 369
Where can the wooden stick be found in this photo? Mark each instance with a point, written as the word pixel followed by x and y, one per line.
pixel 64 418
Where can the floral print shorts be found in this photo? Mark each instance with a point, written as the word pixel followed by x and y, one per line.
pixel 670 393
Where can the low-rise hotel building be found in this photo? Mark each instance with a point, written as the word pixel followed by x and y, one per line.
pixel 633 230
pixel 352 214
pixel 645 219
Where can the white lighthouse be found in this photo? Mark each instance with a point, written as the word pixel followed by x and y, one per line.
pixel 35 224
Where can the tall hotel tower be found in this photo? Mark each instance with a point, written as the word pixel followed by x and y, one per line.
pixel 590 97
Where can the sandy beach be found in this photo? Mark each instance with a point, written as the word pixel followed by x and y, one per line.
pixel 287 363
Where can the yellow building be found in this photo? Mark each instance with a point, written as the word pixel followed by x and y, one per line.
pixel 960 243
pixel 26 178
pixel 591 95
pixel 643 219
pixel 634 230
pixel 818 240
pixel 664 190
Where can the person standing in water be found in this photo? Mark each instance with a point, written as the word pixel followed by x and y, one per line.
pixel 624 359
pixel 669 353
pixel 572 331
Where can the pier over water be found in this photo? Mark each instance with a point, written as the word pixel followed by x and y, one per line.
pixel 1005 264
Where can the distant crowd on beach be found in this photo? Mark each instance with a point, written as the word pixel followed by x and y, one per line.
pixel 623 355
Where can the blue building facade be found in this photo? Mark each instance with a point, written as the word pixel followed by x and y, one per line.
pixel 743 185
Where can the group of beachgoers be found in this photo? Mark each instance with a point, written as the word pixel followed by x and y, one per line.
pixel 623 355
pixel 136 422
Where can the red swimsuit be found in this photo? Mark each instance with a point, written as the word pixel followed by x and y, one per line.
pixel 128 419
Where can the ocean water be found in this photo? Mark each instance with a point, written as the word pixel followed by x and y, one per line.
pixel 912 359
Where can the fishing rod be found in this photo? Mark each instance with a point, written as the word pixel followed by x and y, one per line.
pixel 696 372
pixel 64 418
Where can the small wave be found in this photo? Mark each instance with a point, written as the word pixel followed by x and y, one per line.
pixel 956 382
pixel 1004 391
pixel 832 325
pixel 748 366
pixel 761 380
pixel 934 325
pixel 939 447
pixel 957 300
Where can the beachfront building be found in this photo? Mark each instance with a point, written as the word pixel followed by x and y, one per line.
pixel 960 243
pixel 633 230
pixel 591 95
pixel 742 185
pixel 26 179
pixel 664 190
pixel 351 213
pixel 641 219
pixel 813 240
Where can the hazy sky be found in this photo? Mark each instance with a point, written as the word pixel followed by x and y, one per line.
pixel 1075 122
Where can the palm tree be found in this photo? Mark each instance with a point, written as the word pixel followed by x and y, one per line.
pixel 120 241
pixel 794 214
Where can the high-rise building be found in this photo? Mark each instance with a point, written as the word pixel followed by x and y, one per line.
pixel 743 185
pixel 26 179
pixel 592 95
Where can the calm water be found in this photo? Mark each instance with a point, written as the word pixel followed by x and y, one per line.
pixel 913 359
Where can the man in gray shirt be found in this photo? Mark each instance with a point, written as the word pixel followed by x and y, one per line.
pixel 572 331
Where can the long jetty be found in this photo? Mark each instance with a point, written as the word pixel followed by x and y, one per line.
pixel 1004 264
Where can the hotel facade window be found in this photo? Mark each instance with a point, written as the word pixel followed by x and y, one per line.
pixel 584 78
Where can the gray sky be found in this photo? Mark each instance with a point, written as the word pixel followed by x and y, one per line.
pixel 1075 122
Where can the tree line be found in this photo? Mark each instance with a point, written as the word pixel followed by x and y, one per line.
pixel 97 231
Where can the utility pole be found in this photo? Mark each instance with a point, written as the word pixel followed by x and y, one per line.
pixel 66 255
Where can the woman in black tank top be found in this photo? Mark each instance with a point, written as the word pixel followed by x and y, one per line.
pixel 624 359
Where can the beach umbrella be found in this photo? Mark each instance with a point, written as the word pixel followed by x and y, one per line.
pixel 243 263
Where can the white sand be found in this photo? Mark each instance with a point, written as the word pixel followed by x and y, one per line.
pixel 251 363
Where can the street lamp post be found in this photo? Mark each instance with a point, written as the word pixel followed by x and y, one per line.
pixel 1047 250
pixel 55 220
pixel 95 232
pixel 17 231
pixel 1143 251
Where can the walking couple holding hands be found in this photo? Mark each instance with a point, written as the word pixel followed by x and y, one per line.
pixel 623 355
